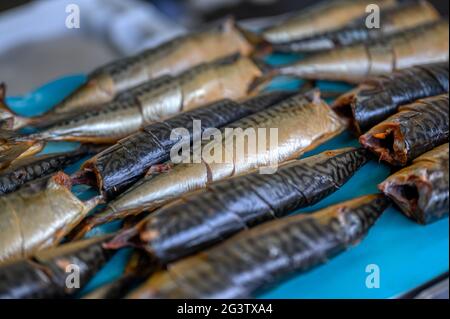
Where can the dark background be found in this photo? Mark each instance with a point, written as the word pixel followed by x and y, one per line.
pixel 243 10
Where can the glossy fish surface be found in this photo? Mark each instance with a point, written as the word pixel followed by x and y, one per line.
pixel 170 58
pixel 392 20
pixel 200 219
pixel 376 99
pixel 44 274
pixel 157 100
pixel 38 216
pixel 129 159
pixel 302 122
pixel 424 44
pixel 258 257
pixel 421 189
pixel 416 128
pixel 327 16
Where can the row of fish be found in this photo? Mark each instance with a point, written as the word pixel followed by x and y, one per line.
pixel 199 223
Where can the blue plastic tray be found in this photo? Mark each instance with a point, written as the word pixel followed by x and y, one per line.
pixel 407 254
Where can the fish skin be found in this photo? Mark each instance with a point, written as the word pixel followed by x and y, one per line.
pixel 200 219
pixel 355 63
pixel 327 16
pixel 170 58
pixel 428 178
pixel 303 122
pixel 38 216
pixel 123 163
pixel 378 98
pixel 157 100
pixel 44 274
pixel 416 128
pixel 393 19
pixel 256 258
pixel 31 168
pixel 12 150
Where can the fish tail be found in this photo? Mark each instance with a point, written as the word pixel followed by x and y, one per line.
pixel 260 83
pixel 9 120
pixel 261 46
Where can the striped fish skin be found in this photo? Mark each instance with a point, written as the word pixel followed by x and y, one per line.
pixel 355 63
pixel 258 257
pixel 417 128
pixel 170 58
pixel 421 189
pixel 327 16
pixel 157 100
pixel 123 163
pixel 395 19
pixel 38 216
pixel 44 274
pixel 376 99
pixel 303 122
pixel 200 219
pixel 31 168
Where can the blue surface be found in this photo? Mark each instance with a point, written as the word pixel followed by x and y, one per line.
pixel 406 253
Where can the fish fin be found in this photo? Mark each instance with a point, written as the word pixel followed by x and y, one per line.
pixel 9 120
pixel 261 46
pixel 123 239
pixel 159 168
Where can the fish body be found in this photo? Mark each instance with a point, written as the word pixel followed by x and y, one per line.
pixel 392 20
pixel 256 258
pixel 378 98
pixel 416 128
pixel 45 274
pixel 12 150
pixel 355 63
pixel 200 219
pixel 31 168
pixel 421 189
pixel 327 16
pixel 302 122
pixel 158 100
pixel 170 58
pixel 38 216
pixel 121 164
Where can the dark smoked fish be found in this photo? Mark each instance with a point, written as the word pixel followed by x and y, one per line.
pixel 258 257
pixel 31 168
pixel 408 15
pixel 417 128
pixel 376 99
pixel 46 273
pixel 326 16
pixel 421 45
pixel 157 100
pixel 421 190
pixel 121 164
pixel 303 121
pixel 200 219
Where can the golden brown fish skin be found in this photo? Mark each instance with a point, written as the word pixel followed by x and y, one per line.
pixel 303 122
pixel 44 274
pixel 257 257
pixel 328 16
pixel 355 63
pixel 38 216
pixel 12 150
pixel 399 18
pixel 156 100
pixel 170 58
pixel 416 128
pixel 421 189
